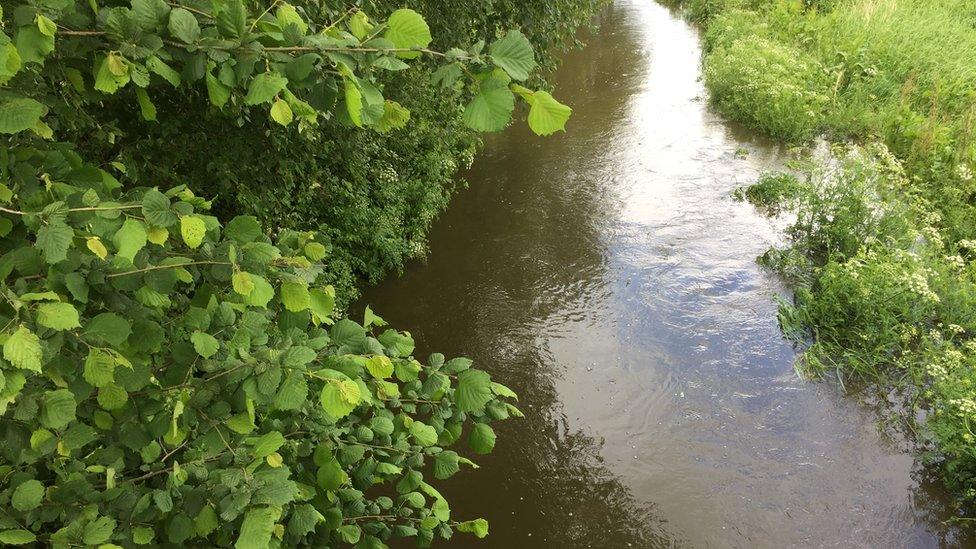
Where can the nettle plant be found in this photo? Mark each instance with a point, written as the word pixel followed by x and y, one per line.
pixel 166 378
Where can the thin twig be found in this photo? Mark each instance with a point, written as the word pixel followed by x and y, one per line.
pixel 156 267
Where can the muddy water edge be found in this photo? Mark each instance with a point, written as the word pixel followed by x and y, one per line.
pixel 606 275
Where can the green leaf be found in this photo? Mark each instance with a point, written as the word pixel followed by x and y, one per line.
pixel 295 296
pixel 99 368
pixel 482 438
pixel 242 283
pixel 10 63
pixel 142 535
pixel 158 66
pixel 20 113
pixel 381 425
pixel 27 495
pixel 314 251
pixel 33 45
pixel 98 531
pixel 401 343
pixel 502 390
pixel 232 19
pixel 180 529
pixel 340 397
pixel 150 14
pixel 17 537
pixel 304 519
pixel 407 370
pixel 407 29
pixel 146 107
pixel 281 112
pixel 217 91
pixel 23 350
pixel 478 527
pixel 473 391
pixel 264 87
pixel 192 229
pixel 156 209
pixel 108 327
pixel 354 101
pixel 446 76
pixel 54 240
pixel 440 508
pixel 490 110
pixel 256 530
pixel 206 521
pixel 130 239
pixel 293 392
pixel 58 409
pixel 445 465
pixel 349 533
pixel 359 25
pixel 204 344
pixel 394 116
pixel 45 25
pixel 456 365
pixel 288 15
pixel 267 444
pixel 262 293
pixel 106 80
pixel 330 476
pixel 380 367
pixel 513 53
pixel 243 229
pixel 183 25
pixel 322 302
pixel 112 397
pixel 347 333
pixel 546 115
pixel 423 434
pixel 39 438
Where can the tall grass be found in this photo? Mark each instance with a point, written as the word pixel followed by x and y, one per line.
pixel 883 245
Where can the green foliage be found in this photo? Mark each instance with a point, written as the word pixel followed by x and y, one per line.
pixel 170 376
pixel 294 63
pixel 371 195
pixel 769 85
pixel 374 193
pixel 147 396
pixel 772 192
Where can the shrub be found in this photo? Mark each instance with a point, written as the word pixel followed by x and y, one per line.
pixel 773 192
pixel 772 86
pixel 372 195
pixel 169 379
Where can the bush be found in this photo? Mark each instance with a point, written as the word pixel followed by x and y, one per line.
pixel 372 195
pixel 169 379
pixel 772 86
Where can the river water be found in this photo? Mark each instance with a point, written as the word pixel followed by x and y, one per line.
pixel 607 277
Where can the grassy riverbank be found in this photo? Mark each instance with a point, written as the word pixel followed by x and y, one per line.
pixel 883 245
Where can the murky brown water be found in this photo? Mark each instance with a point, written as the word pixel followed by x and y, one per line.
pixel 606 276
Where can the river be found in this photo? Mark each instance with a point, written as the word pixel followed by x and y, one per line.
pixel 606 275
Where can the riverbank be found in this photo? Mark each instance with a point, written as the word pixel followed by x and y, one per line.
pixel 882 248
